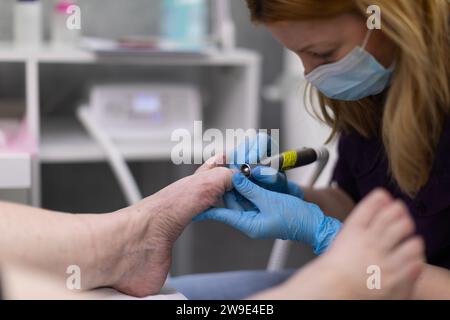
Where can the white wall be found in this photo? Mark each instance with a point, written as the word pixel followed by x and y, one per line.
pixel 300 128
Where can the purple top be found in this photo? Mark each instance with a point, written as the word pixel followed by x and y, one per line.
pixel 363 166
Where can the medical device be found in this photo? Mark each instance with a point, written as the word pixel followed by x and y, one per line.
pixel 289 160
pixel 115 159
pixel 280 251
pixel 144 111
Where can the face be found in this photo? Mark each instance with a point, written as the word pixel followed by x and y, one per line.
pixel 320 42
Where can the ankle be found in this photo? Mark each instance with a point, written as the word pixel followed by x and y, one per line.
pixel 108 243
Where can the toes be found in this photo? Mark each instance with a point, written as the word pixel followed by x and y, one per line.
pixel 414 269
pixel 224 175
pixel 214 162
pixel 391 214
pixel 411 251
pixel 367 209
pixel 409 261
pixel 397 229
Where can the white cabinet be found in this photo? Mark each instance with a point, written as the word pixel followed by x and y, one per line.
pixel 231 81
pixel 15 177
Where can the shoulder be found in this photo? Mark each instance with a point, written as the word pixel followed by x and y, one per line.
pixel 435 195
pixel 353 144
pixel 442 155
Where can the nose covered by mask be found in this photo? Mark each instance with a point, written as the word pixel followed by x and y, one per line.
pixel 358 75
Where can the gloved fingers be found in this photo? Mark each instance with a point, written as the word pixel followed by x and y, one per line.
pixel 295 190
pixel 239 156
pixel 271 179
pixel 251 150
pixel 240 220
pixel 201 217
pixel 232 202
pixel 251 191
pixel 328 230
pixel 259 148
pixel 268 176
pixel 245 203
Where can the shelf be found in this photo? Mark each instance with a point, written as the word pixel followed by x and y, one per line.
pixel 64 140
pixel 15 171
pixel 8 53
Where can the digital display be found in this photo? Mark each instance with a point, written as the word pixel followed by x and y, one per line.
pixel 145 104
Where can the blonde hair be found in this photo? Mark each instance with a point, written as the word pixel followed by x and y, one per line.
pixel 413 117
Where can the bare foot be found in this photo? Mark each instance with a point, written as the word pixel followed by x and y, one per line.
pixel 156 223
pixel 379 235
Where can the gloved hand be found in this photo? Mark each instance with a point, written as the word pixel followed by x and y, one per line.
pixel 276 216
pixel 252 151
pixel 272 180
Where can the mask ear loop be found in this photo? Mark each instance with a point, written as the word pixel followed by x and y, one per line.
pixel 366 39
pixel 366 42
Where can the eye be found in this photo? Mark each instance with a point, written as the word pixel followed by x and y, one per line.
pixel 323 56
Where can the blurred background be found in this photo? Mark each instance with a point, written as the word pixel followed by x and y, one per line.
pixel 233 76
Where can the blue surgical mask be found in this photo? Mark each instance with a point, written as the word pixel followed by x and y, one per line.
pixel 358 75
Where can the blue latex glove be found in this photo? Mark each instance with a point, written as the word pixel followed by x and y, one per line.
pixel 276 216
pixel 252 151
pixel 272 180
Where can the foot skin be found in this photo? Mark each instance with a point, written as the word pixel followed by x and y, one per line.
pixel 152 227
pixel 378 233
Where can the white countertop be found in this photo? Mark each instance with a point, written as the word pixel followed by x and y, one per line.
pixel 165 294
pixel 15 171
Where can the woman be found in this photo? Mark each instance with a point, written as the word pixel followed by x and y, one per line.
pixel 387 94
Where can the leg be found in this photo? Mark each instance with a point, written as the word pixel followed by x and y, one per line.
pixel 228 285
pixel 378 233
